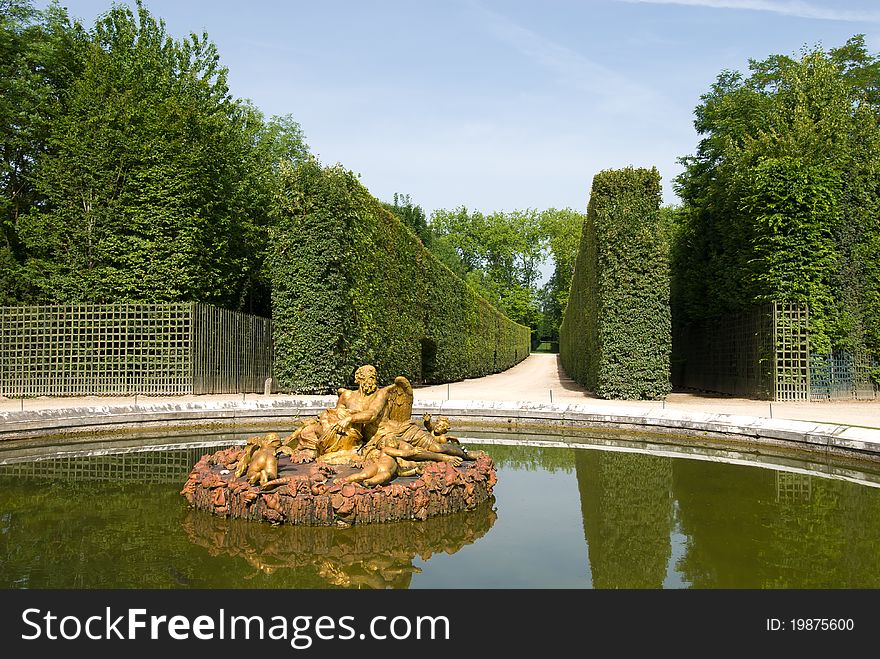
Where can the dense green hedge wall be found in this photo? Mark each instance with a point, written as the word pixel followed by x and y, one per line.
pixel 352 285
pixel 781 200
pixel 615 337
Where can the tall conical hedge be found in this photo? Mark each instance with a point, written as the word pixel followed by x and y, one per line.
pixel 615 337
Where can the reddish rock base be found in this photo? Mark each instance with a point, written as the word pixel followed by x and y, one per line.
pixel 307 494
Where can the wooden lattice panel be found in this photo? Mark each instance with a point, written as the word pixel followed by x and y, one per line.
pixel 792 366
pixel 232 351
pixel 732 354
pixel 126 349
pixel 765 353
pixel 841 375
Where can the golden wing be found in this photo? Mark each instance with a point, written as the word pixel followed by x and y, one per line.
pixel 400 400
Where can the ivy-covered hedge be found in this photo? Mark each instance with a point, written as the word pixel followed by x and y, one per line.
pixel 615 337
pixel 352 285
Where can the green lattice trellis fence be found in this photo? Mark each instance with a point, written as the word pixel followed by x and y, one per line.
pixel 761 352
pixel 842 375
pixel 791 366
pixel 733 354
pixel 125 349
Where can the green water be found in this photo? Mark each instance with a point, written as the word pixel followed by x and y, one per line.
pixel 562 517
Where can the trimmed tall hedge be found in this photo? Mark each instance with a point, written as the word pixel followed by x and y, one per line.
pixel 352 285
pixel 615 337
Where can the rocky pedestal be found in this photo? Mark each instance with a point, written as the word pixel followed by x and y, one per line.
pixel 305 492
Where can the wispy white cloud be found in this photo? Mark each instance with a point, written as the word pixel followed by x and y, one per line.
pixel 785 8
pixel 571 69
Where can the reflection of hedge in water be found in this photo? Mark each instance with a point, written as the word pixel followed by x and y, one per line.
pixel 374 555
pixel 59 534
pixel 626 502
pixel 826 534
pixel 810 535
pixel 529 458
pixel 718 506
pixel 858 513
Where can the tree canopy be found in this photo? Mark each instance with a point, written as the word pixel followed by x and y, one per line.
pixel 501 253
pixel 780 200
pixel 129 172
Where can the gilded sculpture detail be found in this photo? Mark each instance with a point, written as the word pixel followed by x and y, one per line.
pixel 327 469
pixel 260 458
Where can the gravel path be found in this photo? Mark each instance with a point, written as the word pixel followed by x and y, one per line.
pixel 539 378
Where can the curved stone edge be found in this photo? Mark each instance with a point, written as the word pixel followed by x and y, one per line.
pixel 311 498
pixel 806 435
pixel 122 418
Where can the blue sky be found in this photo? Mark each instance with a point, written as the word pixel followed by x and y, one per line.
pixel 494 105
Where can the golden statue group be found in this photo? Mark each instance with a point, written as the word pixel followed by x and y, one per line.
pixel 367 440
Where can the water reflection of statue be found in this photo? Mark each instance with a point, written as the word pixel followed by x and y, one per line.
pixel 393 570
pixel 362 556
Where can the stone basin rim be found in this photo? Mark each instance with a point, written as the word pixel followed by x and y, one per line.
pixel 828 438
